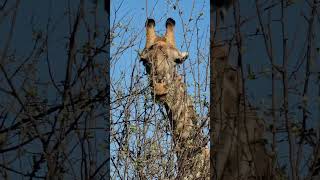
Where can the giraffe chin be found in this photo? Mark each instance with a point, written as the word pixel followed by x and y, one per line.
pixel 160 89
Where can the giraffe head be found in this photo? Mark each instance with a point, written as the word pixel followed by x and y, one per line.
pixel 160 56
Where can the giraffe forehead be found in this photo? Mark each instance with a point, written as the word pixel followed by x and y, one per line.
pixel 161 43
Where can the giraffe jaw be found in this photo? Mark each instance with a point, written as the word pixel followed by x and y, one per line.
pixel 160 89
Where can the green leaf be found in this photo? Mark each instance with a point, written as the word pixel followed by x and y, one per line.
pixel 133 128
pixel 251 76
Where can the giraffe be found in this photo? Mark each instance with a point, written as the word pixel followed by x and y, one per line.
pixel 238 132
pixel 160 58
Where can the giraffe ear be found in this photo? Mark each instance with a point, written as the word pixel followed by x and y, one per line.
pixel 181 57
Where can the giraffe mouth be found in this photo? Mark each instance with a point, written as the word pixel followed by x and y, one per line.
pixel 160 88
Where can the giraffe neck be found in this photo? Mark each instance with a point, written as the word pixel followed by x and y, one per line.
pixel 190 144
pixel 180 108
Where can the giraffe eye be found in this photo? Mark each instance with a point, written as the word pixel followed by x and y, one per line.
pixel 144 61
pixel 143 56
pixel 178 61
